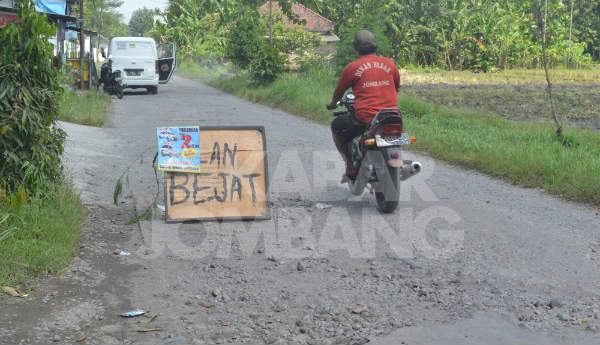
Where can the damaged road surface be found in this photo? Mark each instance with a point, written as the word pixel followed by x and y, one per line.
pixel 464 259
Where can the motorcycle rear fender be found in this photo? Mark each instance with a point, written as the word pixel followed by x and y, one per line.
pixel 387 175
pixel 389 154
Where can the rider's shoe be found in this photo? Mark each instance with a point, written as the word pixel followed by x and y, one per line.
pixel 350 175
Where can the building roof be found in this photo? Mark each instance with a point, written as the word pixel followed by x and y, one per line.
pixel 314 21
pixel 133 39
pixel 68 19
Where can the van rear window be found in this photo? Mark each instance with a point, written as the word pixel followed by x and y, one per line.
pixel 134 49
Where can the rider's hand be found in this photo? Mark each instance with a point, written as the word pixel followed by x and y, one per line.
pixel 331 105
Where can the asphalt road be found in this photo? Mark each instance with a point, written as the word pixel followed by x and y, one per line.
pixel 465 259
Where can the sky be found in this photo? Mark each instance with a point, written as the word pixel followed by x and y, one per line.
pixel 131 5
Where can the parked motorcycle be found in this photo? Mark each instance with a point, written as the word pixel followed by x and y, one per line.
pixel 377 154
pixel 112 80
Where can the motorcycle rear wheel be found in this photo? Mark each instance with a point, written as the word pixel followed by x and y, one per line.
pixel 389 206
pixel 119 92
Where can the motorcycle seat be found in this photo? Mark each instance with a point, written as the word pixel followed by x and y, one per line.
pixel 387 117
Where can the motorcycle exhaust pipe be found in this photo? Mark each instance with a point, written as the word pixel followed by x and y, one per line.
pixel 416 167
pixel 410 169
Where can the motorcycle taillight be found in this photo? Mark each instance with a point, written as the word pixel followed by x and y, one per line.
pixel 393 129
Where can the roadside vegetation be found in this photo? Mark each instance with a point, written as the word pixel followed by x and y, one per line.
pixel 86 108
pixel 478 36
pixel 475 92
pixel 514 94
pixel 39 232
pixel 40 216
pixel 526 154
pixel 576 105
pixel 516 76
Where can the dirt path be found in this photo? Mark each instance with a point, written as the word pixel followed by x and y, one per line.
pixel 464 259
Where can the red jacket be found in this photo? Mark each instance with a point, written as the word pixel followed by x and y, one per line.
pixel 374 81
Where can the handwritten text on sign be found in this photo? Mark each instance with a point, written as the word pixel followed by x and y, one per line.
pixel 231 182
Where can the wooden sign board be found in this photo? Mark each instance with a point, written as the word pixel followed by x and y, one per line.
pixel 232 182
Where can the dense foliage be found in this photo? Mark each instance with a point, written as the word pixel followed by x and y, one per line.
pixel 291 40
pixel 214 30
pixel 266 65
pixel 244 40
pixel 103 16
pixel 196 32
pixel 30 144
pixel 481 35
pixel 370 20
pixel 141 22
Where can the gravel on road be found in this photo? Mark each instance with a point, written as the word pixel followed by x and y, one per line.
pixel 464 256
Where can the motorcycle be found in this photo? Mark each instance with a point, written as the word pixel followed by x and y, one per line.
pixel 377 154
pixel 112 80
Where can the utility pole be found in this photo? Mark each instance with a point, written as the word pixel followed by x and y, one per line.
pixel 271 22
pixel 81 46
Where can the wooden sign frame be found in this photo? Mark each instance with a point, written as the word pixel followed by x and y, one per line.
pixel 267 214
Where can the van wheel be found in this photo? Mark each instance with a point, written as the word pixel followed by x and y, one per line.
pixel 153 90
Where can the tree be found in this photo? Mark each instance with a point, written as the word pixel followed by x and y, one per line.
pixel 30 142
pixel 481 35
pixel 103 17
pixel 245 40
pixel 549 88
pixel 587 26
pixel 141 22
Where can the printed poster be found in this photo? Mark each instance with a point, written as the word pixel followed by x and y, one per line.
pixel 179 149
pixel 6 18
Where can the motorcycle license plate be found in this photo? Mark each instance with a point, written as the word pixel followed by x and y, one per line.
pixel 385 140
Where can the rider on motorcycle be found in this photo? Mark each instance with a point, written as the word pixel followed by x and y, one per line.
pixel 375 82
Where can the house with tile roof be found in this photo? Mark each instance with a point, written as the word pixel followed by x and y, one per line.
pixel 314 22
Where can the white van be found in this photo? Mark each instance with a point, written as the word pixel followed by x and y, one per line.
pixel 139 61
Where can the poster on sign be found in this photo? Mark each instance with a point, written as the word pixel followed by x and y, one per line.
pixel 232 181
pixel 6 18
pixel 178 149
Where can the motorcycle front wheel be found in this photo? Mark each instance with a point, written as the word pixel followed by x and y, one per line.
pixel 390 204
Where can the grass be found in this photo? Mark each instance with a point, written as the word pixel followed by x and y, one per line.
pixel 526 154
pixel 205 72
pixel 85 108
pixel 39 233
pixel 519 102
pixel 512 77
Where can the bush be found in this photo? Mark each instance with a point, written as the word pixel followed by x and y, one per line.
pixel 248 48
pixel 293 40
pixel 266 65
pixel 38 233
pixel 30 144
pixel 345 52
pixel 244 40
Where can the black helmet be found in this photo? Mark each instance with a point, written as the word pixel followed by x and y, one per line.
pixel 364 42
